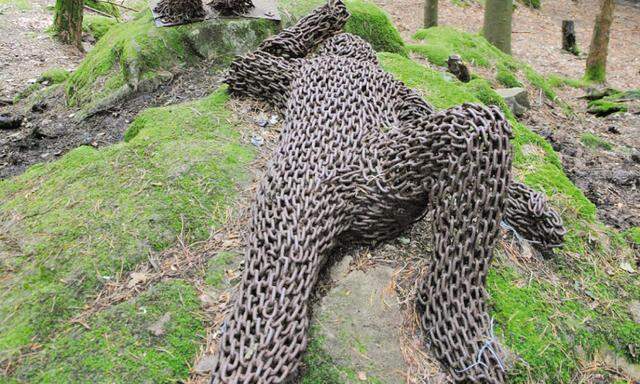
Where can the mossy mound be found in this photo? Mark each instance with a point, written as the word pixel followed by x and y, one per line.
pixel 367 21
pixel 73 226
pixel 438 43
pixel 613 102
pixel 97 26
pixel 129 55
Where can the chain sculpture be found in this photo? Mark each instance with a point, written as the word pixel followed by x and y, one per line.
pixel 180 11
pixel 362 157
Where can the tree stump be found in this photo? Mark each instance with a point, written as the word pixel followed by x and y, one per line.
pixel 569 37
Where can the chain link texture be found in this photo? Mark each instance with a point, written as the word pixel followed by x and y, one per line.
pixel 180 11
pixel 361 157
pixel 232 7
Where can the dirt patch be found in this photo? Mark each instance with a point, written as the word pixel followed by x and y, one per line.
pixel 537 33
pixel 600 155
pixel 52 129
pixel 26 49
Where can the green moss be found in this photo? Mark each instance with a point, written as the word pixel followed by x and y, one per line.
pixel 119 347
pixel 22 5
pixel 97 26
pixel 367 21
pixel 594 142
pixel 606 107
pixel 26 92
pixel 633 234
pixel 596 74
pixel 374 25
pixel 217 269
pixel 73 225
pixel 560 81
pixel 54 76
pixel 438 43
pixel 506 77
pixel 535 4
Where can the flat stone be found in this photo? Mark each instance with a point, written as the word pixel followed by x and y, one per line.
pixel 360 320
pixel 516 98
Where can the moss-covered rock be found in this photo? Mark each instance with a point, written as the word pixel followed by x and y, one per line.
pixel 131 54
pixel 97 26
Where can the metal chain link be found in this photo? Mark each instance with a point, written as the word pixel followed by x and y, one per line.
pixel 361 157
pixel 232 7
pixel 179 11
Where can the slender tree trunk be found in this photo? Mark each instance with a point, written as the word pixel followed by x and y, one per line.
pixel 430 13
pixel 598 51
pixel 497 23
pixel 68 21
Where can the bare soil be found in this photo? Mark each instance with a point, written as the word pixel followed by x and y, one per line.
pixel 55 130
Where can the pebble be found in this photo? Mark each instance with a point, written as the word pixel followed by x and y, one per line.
pixel 257 140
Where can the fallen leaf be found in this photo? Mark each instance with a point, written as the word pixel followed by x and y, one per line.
pixel 137 278
pixel 626 266
pixel 362 376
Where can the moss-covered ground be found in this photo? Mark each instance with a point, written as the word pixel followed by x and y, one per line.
pixel 73 226
pixel 70 228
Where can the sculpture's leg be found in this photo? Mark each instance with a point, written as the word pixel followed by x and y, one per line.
pixel 530 216
pixel 472 158
pixel 293 225
pixel 310 31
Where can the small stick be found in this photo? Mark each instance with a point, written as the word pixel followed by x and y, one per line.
pixel 99 12
pixel 118 5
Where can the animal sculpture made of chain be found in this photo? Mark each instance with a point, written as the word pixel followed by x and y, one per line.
pixel 361 157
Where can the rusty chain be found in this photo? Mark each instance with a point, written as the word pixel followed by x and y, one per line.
pixel 232 7
pixel 179 11
pixel 361 157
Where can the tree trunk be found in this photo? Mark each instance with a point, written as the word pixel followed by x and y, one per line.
pixel 430 13
pixel 497 23
pixel 598 51
pixel 569 37
pixel 68 21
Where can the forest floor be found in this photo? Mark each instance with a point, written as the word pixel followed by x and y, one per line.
pixel 537 33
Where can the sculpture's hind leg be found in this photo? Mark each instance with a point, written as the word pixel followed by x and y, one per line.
pixel 468 196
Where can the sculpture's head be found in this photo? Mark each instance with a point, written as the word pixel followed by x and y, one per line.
pixel 530 215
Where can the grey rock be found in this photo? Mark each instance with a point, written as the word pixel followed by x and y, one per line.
pixel 205 365
pixel 634 309
pixel 359 320
pixel 517 99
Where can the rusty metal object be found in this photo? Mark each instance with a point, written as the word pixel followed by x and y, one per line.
pixel 232 7
pixel 362 157
pixel 179 11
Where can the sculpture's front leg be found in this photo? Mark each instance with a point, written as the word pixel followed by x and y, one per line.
pixel 294 223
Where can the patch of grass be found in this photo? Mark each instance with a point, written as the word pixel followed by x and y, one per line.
pixel 633 234
pixel 97 25
pixel 594 142
pixel 535 4
pixel 367 21
pixel 506 77
pixel 606 107
pixel 560 81
pixel 119 347
pixel 54 76
pixel 22 5
pixel 72 226
pixel 28 91
pixel 440 42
